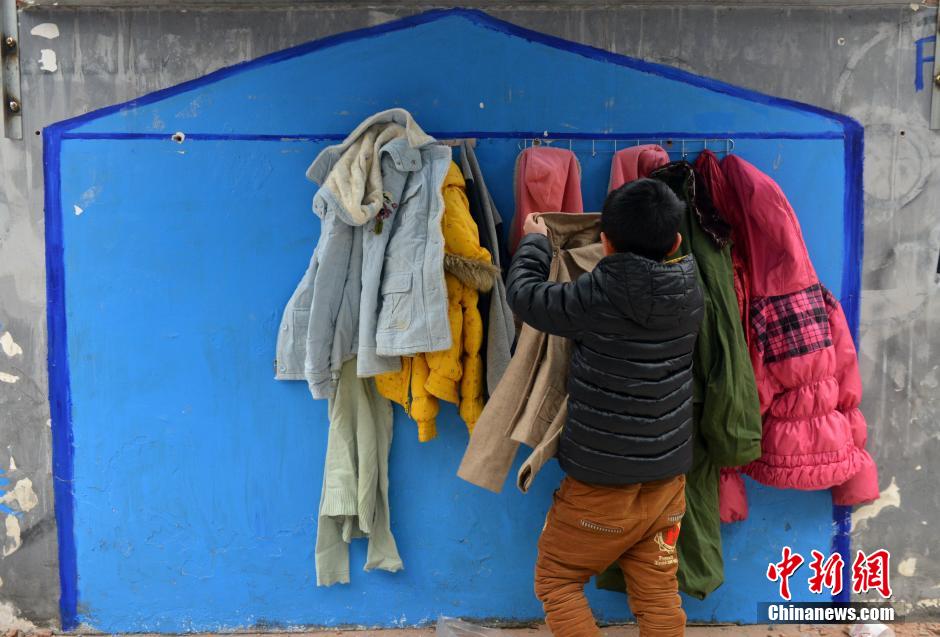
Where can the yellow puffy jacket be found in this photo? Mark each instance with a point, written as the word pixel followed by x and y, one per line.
pixel 454 375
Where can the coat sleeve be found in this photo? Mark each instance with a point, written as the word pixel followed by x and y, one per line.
pixel 553 308
pixel 732 496
pixel 863 486
pixel 329 331
pixel 730 418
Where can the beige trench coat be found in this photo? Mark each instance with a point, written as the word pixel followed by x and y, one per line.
pixel 529 405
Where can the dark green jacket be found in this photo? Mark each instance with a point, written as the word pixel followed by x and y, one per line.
pixel 727 412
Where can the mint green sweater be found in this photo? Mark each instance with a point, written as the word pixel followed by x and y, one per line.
pixel 354 500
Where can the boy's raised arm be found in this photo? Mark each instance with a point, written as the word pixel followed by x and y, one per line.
pixel 553 308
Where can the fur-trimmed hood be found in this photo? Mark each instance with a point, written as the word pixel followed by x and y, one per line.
pixel 464 257
pixel 479 275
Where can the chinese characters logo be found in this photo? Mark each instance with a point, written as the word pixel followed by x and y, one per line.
pixel 869 572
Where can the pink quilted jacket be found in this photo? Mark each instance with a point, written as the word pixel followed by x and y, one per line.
pixel 804 358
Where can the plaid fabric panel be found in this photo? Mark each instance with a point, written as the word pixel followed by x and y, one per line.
pixel 792 324
pixel 831 301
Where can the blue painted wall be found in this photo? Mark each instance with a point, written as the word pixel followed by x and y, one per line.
pixel 192 475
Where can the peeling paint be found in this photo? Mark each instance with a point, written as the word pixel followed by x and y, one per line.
pixel 930 379
pixel 8 378
pixel 13 540
pixel 10 619
pixel 89 196
pixel 9 346
pixel 12 463
pixel 48 30
pixel 78 209
pixel 192 110
pixel 907 567
pixel 889 497
pixel 47 61
pixel 22 495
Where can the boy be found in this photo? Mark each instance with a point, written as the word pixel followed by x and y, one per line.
pixel 626 444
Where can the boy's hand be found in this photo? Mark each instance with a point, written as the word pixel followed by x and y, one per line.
pixel 534 225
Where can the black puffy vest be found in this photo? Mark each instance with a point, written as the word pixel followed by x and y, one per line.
pixel 630 378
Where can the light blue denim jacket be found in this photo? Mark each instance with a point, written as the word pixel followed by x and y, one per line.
pixel 412 315
pixel 374 291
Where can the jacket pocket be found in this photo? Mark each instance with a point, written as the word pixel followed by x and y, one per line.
pixel 299 335
pixel 395 315
pixel 600 529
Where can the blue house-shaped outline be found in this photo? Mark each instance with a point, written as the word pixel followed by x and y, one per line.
pixel 456 71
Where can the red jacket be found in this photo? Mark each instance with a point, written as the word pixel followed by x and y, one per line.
pixel 803 355
pixel 546 180
pixel 635 163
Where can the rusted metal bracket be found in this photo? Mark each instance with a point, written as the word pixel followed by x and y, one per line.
pixel 935 84
pixel 10 71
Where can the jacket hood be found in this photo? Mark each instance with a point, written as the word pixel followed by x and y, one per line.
pixel 351 171
pixel 464 257
pixel 693 190
pixel 635 163
pixel 546 180
pixel 479 275
pixel 765 228
pixel 324 162
pixel 655 294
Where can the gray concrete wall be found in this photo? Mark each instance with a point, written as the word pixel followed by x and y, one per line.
pixel 857 60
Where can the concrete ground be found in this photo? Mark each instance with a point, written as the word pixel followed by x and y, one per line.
pixel 793 630
pixel 900 630
pixel 913 629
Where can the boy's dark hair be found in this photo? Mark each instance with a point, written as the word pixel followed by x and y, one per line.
pixel 642 217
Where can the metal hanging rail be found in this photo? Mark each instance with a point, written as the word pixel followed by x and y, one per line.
pixel 683 147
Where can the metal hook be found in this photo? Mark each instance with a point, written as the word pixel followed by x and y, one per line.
pixel 684 154
pixel 569 145
pixel 704 144
pixel 593 150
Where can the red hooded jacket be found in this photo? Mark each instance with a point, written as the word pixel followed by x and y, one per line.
pixel 803 355
pixel 546 180
pixel 635 163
